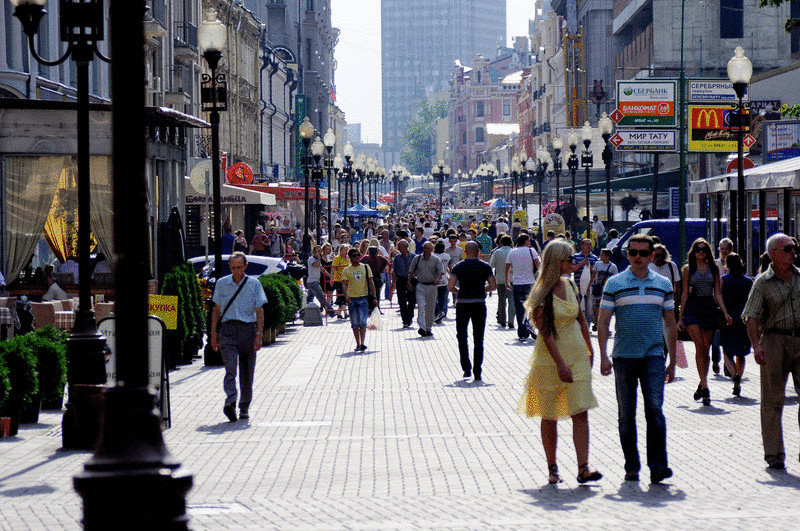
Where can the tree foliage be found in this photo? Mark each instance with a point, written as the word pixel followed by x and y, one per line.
pixel 791 23
pixel 416 136
pixel 628 203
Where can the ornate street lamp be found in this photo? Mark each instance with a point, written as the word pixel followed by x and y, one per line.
pixel 587 161
pixel 542 177
pixel 347 174
pixel 317 150
pixel 572 166
pixel 338 165
pixel 329 140
pixel 81 27
pixel 606 127
pixel 558 144
pixel 515 176
pixel 506 171
pixel 440 172
pixel 306 135
pixel 740 69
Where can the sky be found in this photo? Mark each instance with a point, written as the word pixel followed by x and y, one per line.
pixel 358 57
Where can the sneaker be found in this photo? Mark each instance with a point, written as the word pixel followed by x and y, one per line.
pixel 244 415
pixel 776 463
pixel 594 328
pixel 510 326
pixel 422 332
pixel 230 412
pixel 631 476
pixel 429 333
pixel 660 474
pixel 467 374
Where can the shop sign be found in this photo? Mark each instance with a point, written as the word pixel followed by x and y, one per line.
pixel 646 103
pixel 710 128
pixel 712 91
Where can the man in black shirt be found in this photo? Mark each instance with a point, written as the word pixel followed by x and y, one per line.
pixel 475 278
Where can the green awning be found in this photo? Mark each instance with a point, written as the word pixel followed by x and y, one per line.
pixel 639 183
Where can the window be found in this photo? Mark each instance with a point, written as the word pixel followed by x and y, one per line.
pixel 309 5
pixel 506 108
pixel 731 19
pixel 479 134
pixel 478 108
pixel 464 137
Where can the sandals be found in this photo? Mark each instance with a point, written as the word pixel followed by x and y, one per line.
pixel 703 392
pixel 554 477
pixel 585 474
pixel 737 385
pixel 699 393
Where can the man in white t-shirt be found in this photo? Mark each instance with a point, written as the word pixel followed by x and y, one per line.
pixel 521 266
pixel 502 226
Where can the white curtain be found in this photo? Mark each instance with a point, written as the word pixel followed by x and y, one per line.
pixel 102 206
pixel 30 185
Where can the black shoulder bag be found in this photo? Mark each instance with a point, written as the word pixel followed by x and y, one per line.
pixel 219 322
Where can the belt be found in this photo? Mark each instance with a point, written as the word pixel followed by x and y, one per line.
pixel 793 333
pixel 426 283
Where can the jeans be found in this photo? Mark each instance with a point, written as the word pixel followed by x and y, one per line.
pixel 315 290
pixel 505 305
pixel 521 292
pixel 441 300
pixel 586 303
pixel 650 371
pixel 359 312
pixel 388 290
pixel 476 311
pixel 405 299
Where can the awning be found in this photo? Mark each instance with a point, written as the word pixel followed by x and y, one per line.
pixel 775 175
pixel 640 183
pixel 230 195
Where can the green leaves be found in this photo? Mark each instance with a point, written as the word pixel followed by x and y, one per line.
pixel 791 23
pixel 417 138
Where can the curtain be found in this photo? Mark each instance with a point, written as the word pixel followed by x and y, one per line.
pixel 30 185
pixel 102 206
pixel 60 228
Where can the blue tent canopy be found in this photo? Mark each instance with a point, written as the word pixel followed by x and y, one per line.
pixel 360 211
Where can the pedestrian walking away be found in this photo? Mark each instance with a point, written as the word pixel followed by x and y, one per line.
pixel 772 314
pixel 505 295
pixel 358 288
pixel 521 265
pixel 237 322
pixel 734 340
pixel 642 302
pixel 559 383
pixel 475 279
pixel 427 269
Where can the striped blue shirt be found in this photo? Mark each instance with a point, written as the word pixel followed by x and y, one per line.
pixel 639 306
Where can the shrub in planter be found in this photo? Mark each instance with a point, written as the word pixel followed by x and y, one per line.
pixel 5 390
pixel 21 363
pixel 183 344
pixel 49 346
pixel 294 287
pixel 273 310
pixel 290 307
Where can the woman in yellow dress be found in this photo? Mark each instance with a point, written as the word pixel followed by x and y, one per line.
pixel 559 384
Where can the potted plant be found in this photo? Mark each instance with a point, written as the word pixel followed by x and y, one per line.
pixel 49 346
pixel 273 310
pixel 184 343
pixel 21 363
pixel 5 391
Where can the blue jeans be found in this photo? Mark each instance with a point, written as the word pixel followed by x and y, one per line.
pixel 387 290
pixel 441 300
pixel 650 371
pixel 359 311
pixel 521 292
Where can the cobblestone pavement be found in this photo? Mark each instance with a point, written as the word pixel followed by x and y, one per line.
pixel 395 438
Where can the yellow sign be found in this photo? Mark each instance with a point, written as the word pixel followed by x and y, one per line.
pixel 710 128
pixel 522 216
pixel 555 223
pixel 166 308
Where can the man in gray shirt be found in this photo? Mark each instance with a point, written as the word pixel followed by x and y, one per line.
pixel 505 296
pixel 428 270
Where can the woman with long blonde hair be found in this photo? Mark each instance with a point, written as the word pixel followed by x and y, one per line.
pixel 559 384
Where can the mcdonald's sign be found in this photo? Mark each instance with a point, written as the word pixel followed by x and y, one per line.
pixel 711 128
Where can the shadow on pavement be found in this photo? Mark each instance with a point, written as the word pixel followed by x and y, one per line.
pixel 741 401
pixel 27 491
pixel 706 410
pixel 653 496
pixel 354 353
pixel 57 455
pixel 224 427
pixel 557 498
pixel 782 478
pixel 465 383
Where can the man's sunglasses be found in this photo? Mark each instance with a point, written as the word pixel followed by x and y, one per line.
pixel 644 253
pixel 790 248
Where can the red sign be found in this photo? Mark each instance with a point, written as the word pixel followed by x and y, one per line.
pixel 734 164
pixel 616 116
pixel 748 140
pixel 240 173
pixel 615 140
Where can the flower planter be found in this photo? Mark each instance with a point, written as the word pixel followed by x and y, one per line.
pixel 29 414
pixel 5 427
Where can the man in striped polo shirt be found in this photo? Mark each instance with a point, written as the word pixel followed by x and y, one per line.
pixel 642 302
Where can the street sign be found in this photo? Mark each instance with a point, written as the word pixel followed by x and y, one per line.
pixel 674 201
pixel 710 128
pixel 616 116
pixel 734 164
pixel 240 173
pixel 646 140
pixel 748 140
pixel 646 103
pixel 712 91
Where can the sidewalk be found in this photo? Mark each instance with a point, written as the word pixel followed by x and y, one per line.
pixel 395 438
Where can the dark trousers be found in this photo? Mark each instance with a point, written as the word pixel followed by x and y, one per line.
pixel 405 299
pixel 505 299
pixel 441 300
pixel 520 294
pixel 650 372
pixel 236 346
pixel 475 311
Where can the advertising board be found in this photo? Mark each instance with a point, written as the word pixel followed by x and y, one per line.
pixel 712 91
pixel 646 103
pixel 781 140
pixel 645 140
pixel 710 128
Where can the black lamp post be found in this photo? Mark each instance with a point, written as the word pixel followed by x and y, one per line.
pixel 557 144
pixel 329 140
pixel 440 173
pixel 606 126
pixel 587 161
pixel 81 25
pixel 572 166
pixel 542 177
pixel 516 170
pixel 131 479
pixel 740 69
pixel 306 135
pixel 347 176
pixel 317 149
pixel 506 171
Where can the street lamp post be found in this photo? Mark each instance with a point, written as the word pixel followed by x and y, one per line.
pixel 81 26
pixel 306 135
pixel 606 126
pixel 572 166
pixel 347 174
pixel 587 161
pixel 440 172
pixel 557 144
pixel 740 69
pixel 515 174
pixel 317 149
pixel 542 177
pixel 329 140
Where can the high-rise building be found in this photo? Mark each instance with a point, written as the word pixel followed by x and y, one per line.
pixel 421 39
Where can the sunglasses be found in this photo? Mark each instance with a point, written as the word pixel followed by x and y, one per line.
pixel 701 250
pixel 790 249
pixel 644 253
pixel 658 255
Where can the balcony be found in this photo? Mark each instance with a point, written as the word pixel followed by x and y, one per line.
pixel 181 86
pixel 185 40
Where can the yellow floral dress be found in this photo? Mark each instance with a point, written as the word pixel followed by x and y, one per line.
pixel 545 394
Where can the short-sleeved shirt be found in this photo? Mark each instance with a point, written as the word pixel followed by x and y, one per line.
pixel 522 263
pixel 427 270
pixel 401 264
pixel 356 277
pixel 577 258
pixel 314 271
pixel 472 275
pixel 485 241
pixel 377 263
pixel 773 302
pixel 639 306
pixel 244 306
pixel 456 254
pixel 339 263
pixel 498 262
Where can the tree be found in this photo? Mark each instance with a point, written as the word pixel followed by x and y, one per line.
pixel 791 22
pixel 628 203
pixel 416 136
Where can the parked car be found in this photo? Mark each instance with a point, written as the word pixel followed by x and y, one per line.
pixel 256 266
